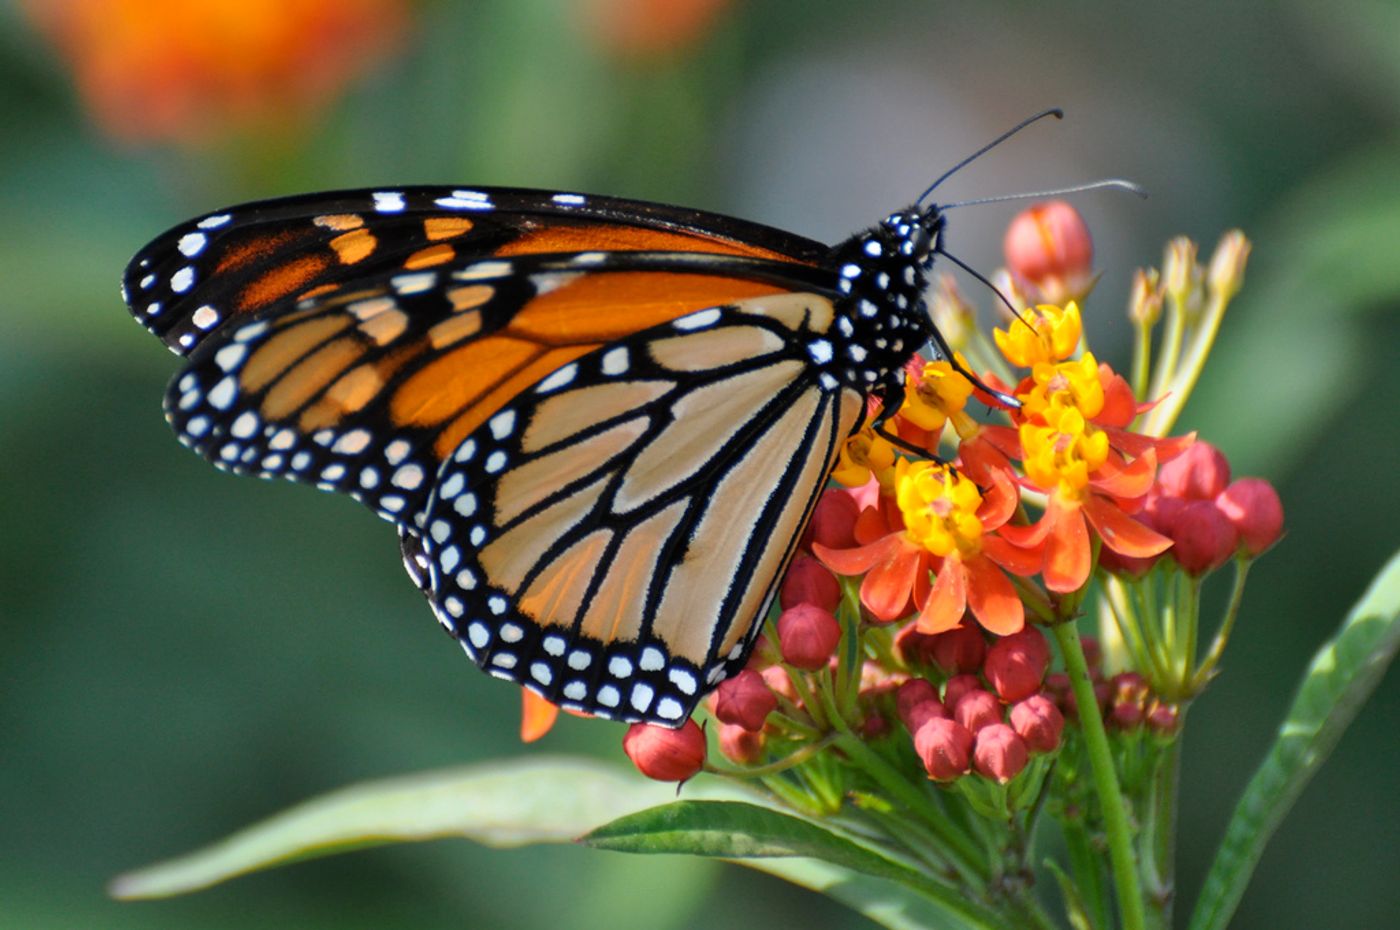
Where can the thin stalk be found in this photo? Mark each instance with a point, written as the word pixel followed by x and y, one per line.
pixel 801 755
pixel 1172 339
pixel 1222 635
pixel 1162 418
pixel 1160 851
pixel 1086 866
pixel 1129 624
pixel 1142 358
pixel 1115 813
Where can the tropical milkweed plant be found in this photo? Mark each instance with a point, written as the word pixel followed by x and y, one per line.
pixel 966 707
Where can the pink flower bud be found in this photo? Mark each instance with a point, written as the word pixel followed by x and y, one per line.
pixel 807 636
pixel 945 748
pixel 914 648
pixel 873 726
pixel 977 709
pixel 961 649
pixel 1039 722
pixel 999 753
pixel 1253 506
pixel 1199 473
pixel 739 744
pixel 914 691
pixel 1203 538
pixel 957 686
pixel 1164 718
pixel 925 710
pixel 663 754
pixel 1016 664
pixel 1049 247
pixel 777 680
pixel 744 700
pixel 1128 700
pixel 833 521
pixel 809 582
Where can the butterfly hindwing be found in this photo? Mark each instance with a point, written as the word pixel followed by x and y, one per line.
pixel 611 537
pixel 265 256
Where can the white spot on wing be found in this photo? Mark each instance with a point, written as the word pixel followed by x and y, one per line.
pixel 388 201
pixel 213 222
pixel 182 280
pixel 698 320
pixel 191 244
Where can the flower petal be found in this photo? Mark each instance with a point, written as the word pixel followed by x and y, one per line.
pixel 859 560
pixel 537 716
pixel 1122 533
pixel 992 598
pixel 947 601
pixel 1015 559
pixel 886 588
pixel 1128 480
pixel 1067 552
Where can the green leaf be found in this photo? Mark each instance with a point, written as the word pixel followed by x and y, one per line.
pixel 1339 680
pixel 735 830
pixel 882 902
pixel 504 804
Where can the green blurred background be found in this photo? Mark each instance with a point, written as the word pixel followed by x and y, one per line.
pixel 184 652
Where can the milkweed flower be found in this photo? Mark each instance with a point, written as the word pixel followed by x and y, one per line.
pixel 664 754
pixel 172 70
pixel 1048 247
pixel 949 526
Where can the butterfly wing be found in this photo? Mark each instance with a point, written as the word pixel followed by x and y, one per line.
pixel 368 388
pixel 263 257
pixel 611 537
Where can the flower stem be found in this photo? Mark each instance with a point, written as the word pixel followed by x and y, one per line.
pixel 1222 636
pixel 1159 850
pixel 1115 814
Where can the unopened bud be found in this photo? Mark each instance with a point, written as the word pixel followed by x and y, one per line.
pixel 1253 506
pixel 1203 538
pixel 744 700
pixel 1164 718
pixel 833 521
pixel 663 754
pixel 999 753
pixel 741 745
pixel 1128 700
pixel 1226 275
pixel 809 582
pixel 1199 473
pixel 1145 299
pixel 1180 273
pixel 1048 246
pixel 807 636
pixel 958 650
pixel 912 692
pixel 1039 722
pixel 777 680
pixel 957 686
pixel 1016 664
pixel 945 748
pixel 977 709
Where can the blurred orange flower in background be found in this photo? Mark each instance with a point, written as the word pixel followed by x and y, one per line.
pixel 650 27
pixel 191 70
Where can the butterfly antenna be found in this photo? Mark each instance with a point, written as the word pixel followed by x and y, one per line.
pixel 994 289
pixel 1053 111
pixel 1115 183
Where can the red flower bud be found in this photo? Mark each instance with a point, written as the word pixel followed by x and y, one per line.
pixel 777 680
pixel 1253 506
pixel 957 686
pixel 1049 247
pixel 1016 664
pixel 807 636
pixel 1039 722
pixel 833 521
pixel 999 753
pixel 663 754
pixel 912 692
pixel 873 726
pixel 739 744
pixel 925 710
pixel 809 582
pixel 977 709
pixel 1203 538
pixel 961 649
pixel 744 700
pixel 1199 473
pixel 1164 718
pixel 1129 694
pixel 945 748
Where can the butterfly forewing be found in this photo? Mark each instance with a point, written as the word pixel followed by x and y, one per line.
pixel 264 256
pixel 618 562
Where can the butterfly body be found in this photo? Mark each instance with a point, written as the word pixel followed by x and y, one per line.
pixel 599 425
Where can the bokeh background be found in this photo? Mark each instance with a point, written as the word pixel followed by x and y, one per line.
pixel 182 652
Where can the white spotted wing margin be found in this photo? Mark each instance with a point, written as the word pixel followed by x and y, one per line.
pixel 613 538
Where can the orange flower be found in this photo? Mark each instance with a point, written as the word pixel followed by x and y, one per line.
pixel 949 526
pixel 650 27
pixel 185 71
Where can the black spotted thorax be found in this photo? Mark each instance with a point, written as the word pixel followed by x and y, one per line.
pixel 881 318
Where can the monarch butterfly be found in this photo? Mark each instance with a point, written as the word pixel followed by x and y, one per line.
pixel 600 425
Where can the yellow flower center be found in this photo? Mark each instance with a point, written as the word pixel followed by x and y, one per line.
pixel 1062 452
pixel 935 396
pixel 1052 336
pixel 939 507
pixel 1074 384
pixel 862 455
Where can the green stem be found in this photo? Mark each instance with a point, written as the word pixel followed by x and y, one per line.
pixel 1115 813
pixel 1142 358
pixel 1161 847
pixel 807 751
pixel 1227 625
pixel 1086 865
pixel 1163 417
pixel 1172 339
